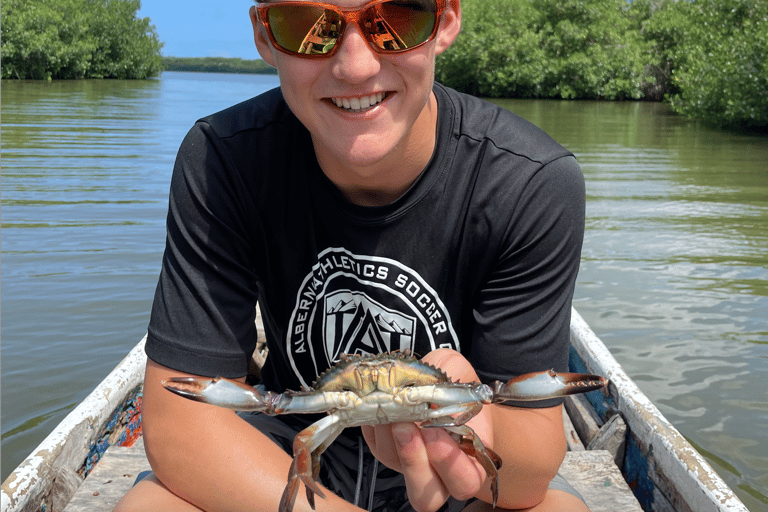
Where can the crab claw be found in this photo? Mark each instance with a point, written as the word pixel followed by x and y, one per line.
pixel 222 392
pixel 547 384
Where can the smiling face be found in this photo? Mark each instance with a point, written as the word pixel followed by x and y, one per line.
pixel 372 116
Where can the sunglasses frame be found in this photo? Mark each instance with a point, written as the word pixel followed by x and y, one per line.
pixel 350 16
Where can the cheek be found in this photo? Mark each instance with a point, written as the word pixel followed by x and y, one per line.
pixel 296 73
pixel 296 82
pixel 419 61
pixel 292 80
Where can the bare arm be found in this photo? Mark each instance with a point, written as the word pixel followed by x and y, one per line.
pixel 212 458
pixel 530 442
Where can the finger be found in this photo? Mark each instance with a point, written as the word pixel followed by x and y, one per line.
pixel 461 474
pixel 426 492
pixel 455 365
pixel 382 445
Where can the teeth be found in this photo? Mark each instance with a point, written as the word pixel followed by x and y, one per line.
pixel 359 103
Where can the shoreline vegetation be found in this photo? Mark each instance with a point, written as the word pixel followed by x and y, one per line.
pixel 74 39
pixel 218 65
pixel 707 58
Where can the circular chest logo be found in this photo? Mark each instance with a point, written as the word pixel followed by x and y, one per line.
pixel 353 304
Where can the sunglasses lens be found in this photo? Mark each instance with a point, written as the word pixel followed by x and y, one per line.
pixel 393 25
pixel 399 25
pixel 303 28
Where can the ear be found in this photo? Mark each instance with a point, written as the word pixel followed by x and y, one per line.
pixel 260 38
pixel 450 25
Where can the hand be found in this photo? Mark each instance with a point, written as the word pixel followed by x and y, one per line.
pixel 432 463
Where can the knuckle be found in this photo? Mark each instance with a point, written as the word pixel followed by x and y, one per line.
pixel 464 492
pixel 427 503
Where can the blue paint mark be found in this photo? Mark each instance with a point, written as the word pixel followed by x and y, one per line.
pixel 130 409
pixel 635 468
pixel 604 406
pixel 636 472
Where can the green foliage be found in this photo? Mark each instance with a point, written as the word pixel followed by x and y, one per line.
pixel 495 54
pixel 706 57
pixel 218 65
pixel 592 50
pixel 720 73
pixel 546 48
pixel 47 39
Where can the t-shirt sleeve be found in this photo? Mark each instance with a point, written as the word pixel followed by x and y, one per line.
pixel 202 319
pixel 522 316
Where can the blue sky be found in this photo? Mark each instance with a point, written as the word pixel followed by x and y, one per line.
pixel 198 28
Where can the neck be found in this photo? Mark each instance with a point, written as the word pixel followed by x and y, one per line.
pixel 373 197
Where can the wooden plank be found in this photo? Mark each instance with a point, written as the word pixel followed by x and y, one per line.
pixel 571 436
pixel 584 417
pixel 592 473
pixel 112 477
pixel 612 437
pixel 599 481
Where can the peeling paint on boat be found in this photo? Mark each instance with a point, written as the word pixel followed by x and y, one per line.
pixel 49 475
pixel 678 474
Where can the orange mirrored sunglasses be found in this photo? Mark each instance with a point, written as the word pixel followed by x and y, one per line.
pixel 315 30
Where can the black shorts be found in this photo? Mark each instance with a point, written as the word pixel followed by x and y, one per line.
pixel 348 468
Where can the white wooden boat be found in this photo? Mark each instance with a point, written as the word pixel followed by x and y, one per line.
pixel 663 470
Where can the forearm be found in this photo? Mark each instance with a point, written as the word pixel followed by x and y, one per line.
pixel 531 444
pixel 212 458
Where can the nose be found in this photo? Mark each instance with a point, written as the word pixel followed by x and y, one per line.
pixel 355 61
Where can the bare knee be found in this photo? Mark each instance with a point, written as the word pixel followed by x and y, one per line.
pixel 151 494
pixel 554 501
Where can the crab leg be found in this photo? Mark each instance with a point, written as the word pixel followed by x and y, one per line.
pixel 471 445
pixel 468 440
pixel 227 393
pixel 527 387
pixel 308 445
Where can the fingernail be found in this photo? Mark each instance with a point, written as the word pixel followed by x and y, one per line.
pixel 430 434
pixel 402 434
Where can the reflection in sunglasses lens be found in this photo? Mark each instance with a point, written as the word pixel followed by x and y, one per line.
pixel 314 29
pixel 412 22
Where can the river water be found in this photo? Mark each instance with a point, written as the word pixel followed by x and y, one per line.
pixel 674 273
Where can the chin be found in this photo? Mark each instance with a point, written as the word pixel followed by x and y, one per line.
pixel 365 153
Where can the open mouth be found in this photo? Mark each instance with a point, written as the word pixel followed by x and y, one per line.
pixel 359 104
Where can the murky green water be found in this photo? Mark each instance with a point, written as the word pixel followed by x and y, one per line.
pixel 674 273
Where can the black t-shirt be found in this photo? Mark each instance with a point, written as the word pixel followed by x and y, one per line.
pixel 479 255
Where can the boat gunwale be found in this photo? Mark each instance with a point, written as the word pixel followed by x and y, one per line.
pixel 695 482
pixel 62 453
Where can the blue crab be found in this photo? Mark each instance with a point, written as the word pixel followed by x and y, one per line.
pixel 380 389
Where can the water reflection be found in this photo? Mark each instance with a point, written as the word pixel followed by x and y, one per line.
pixel 86 170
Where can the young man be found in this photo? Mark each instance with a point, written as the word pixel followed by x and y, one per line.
pixel 367 209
